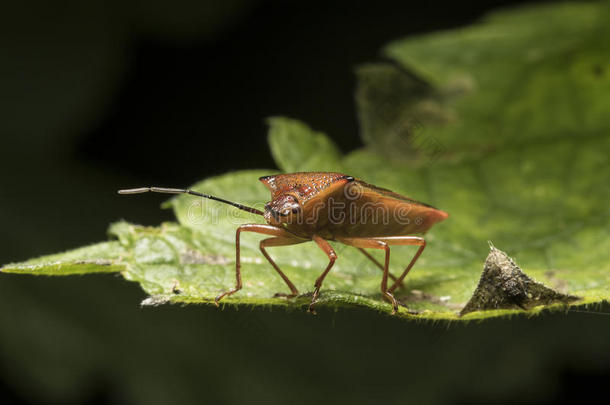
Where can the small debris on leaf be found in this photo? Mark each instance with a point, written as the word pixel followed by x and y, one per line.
pixel 194 257
pixel 176 287
pixel 97 262
pixel 503 285
pixel 155 301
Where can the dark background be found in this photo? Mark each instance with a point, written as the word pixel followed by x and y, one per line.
pixel 98 96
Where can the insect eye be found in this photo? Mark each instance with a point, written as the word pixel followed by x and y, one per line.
pixel 295 210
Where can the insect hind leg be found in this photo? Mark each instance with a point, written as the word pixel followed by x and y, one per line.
pixel 390 240
pixel 379 265
pixel 375 243
pixel 405 240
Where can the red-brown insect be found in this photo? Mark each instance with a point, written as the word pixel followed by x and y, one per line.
pixel 323 206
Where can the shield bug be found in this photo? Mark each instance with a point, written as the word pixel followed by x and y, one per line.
pixel 325 206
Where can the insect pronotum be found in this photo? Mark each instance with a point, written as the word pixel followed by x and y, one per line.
pixel 323 206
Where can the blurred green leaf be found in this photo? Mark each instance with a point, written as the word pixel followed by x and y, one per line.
pixel 295 147
pixel 504 125
pixel 98 258
pixel 520 76
pixel 393 107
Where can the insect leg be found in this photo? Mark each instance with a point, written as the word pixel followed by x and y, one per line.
pixel 404 240
pixel 372 243
pixel 332 256
pixel 257 228
pixel 281 241
pixel 379 265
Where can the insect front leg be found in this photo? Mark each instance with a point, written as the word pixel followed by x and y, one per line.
pixel 256 228
pixel 281 241
pixel 332 256
pixel 371 243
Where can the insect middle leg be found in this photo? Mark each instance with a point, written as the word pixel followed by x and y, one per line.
pixel 257 228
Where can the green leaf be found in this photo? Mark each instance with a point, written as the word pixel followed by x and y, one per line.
pixel 394 108
pixel 296 147
pixel 511 79
pixel 503 124
pixel 102 257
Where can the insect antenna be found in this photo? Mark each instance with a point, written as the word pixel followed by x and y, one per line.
pixel 191 192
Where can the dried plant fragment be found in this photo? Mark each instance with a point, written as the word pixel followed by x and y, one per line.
pixel 503 285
